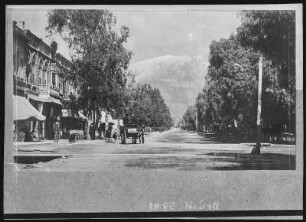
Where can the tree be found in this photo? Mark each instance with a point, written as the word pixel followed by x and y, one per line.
pixel 229 92
pixel 189 118
pixel 98 55
pixel 229 96
pixel 148 107
pixel 273 34
pixel 228 101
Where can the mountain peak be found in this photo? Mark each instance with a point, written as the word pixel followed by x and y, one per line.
pixel 179 79
pixel 161 59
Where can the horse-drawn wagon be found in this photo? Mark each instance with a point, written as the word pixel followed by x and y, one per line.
pixel 132 130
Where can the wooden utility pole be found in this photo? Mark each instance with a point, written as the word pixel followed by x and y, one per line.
pixel 196 118
pixel 256 149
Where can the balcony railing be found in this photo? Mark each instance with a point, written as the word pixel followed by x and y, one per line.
pixel 55 91
pixel 24 83
pixel 55 88
pixel 44 89
pixel 20 81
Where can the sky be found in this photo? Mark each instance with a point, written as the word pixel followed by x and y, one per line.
pixel 154 30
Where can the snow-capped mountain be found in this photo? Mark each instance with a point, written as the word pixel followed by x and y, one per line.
pixel 179 79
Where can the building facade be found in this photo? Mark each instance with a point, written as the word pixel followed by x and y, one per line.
pixel 40 76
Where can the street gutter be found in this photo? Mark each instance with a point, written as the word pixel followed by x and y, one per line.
pixel 253 144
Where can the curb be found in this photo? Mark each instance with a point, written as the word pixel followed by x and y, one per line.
pixel 253 144
pixel 31 143
pixel 50 146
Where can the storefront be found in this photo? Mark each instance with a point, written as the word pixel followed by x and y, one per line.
pixel 73 122
pixel 38 126
pixel 26 119
pixel 84 124
pixel 51 109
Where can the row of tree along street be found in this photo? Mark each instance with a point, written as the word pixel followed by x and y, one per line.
pixel 148 107
pixel 101 61
pixel 227 104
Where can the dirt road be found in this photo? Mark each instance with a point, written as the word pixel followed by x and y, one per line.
pixel 169 150
pixel 173 171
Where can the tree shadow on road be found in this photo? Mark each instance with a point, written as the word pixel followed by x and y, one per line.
pixel 217 161
pixel 162 150
pixel 161 162
pixel 245 161
pixel 221 139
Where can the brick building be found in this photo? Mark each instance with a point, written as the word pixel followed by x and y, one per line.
pixel 40 82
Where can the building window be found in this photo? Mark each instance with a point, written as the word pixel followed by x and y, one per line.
pixel 18 54
pixel 15 64
pixel 60 83
pixel 64 86
pixel 31 79
pixel 39 76
pixel 53 80
pixel 44 78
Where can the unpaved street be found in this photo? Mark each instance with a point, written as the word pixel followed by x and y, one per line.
pixel 172 171
pixel 170 150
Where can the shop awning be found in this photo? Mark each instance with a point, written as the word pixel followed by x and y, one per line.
pixel 36 98
pixel 82 116
pixel 48 99
pixel 56 101
pixel 23 110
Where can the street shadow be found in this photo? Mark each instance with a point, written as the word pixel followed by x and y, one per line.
pixel 217 162
pixel 161 162
pixel 220 139
pixel 34 159
pixel 245 161
pixel 163 150
pixel 200 138
pixel 197 141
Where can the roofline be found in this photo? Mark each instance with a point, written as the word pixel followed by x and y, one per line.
pixel 37 38
pixel 19 32
pixel 40 39
pixel 26 32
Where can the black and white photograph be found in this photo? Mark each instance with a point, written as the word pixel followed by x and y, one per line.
pixel 153 108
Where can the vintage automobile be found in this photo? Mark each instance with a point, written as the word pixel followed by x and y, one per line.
pixel 132 130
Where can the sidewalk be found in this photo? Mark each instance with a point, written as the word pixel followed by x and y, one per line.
pixel 48 145
pixel 253 144
pixel 269 144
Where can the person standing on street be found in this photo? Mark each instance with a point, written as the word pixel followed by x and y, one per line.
pixel 142 133
pixel 92 131
pixel 103 129
pixel 56 130
pixel 100 131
